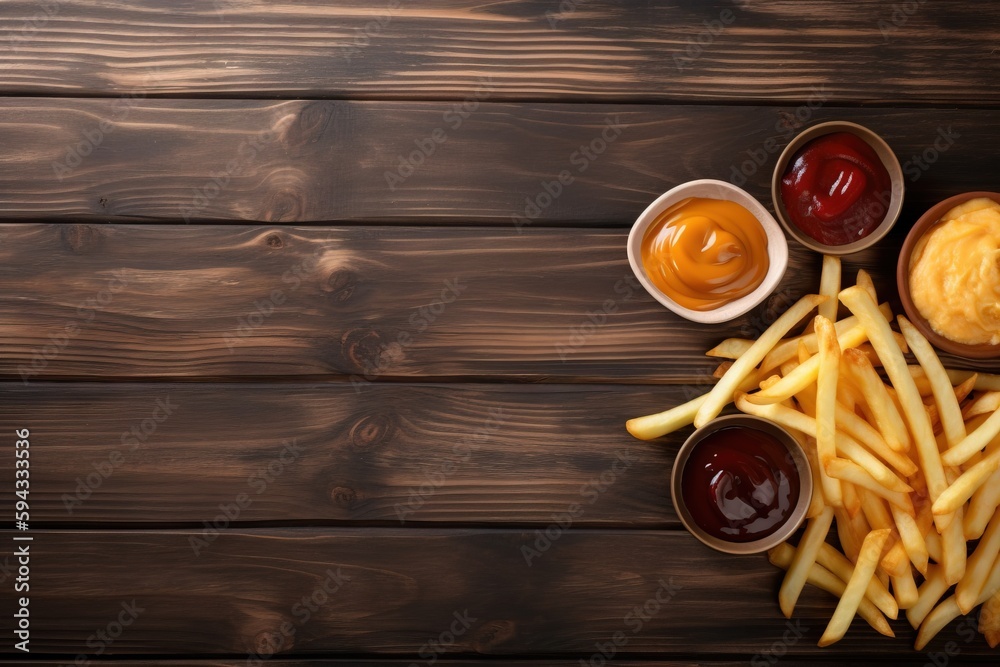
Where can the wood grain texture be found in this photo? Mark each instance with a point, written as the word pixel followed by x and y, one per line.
pixel 356 304
pixel 400 588
pixel 317 161
pixel 389 455
pixel 655 50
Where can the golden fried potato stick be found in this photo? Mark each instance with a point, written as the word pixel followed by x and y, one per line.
pixel 781 556
pixel 955 495
pixel 731 348
pixel 973 443
pixel 928 595
pixel 905 589
pixel 722 393
pixel 803 560
pixel 826 405
pixel 829 286
pixel 944 393
pixel 978 568
pixel 854 592
pixel 880 335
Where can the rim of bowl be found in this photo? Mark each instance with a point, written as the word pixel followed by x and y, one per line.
pixel 889 161
pixel 920 227
pixel 802 467
pixel 777 248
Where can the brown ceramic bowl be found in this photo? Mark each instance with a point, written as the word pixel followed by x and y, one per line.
pixel 889 161
pixel 922 225
pixel 795 518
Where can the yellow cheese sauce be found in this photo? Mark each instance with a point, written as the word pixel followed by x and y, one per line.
pixel 955 274
pixel 704 253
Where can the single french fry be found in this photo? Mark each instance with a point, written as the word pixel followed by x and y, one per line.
pixel 854 592
pixel 838 563
pixel 954 550
pixel 731 348
pixel 781 555
pixel 911 538
pixel 905 589
pixel 948 611
pixel 886 415
pixel 978 567
pixel 865 282
pixel 880 335
pixel 944 393
pixel 826 405
pixel 982 505
pixel 989 620
pixel 805 556
pixel 829 286
pixel 988 403
pixel 722 393
pixel 955 495
pixel 653 426
pixel 973 442
pixel 928 595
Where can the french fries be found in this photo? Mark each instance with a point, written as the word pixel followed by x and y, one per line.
pixel 905 460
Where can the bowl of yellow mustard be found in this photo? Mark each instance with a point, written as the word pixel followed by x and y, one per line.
pixel 708 251
pixel 949 275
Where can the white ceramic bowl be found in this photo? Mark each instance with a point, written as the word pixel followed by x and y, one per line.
pixel 777 248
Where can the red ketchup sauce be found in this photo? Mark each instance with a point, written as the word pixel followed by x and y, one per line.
pixel 836 189
pixel 740 484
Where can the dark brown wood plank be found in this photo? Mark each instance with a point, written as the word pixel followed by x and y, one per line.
pixel 686 50
pixel 398 589
pixel 389 455
pixel 356 304
pixel 302 161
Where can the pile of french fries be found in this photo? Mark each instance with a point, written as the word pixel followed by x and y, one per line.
pixel 905 459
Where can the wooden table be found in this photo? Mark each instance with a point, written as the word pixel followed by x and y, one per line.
pixel 320 319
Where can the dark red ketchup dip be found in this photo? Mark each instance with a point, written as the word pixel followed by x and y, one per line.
pixel 836 189
pixel 740 484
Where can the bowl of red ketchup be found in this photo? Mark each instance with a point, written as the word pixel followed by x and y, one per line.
pixel 837 188
pixel 741 484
